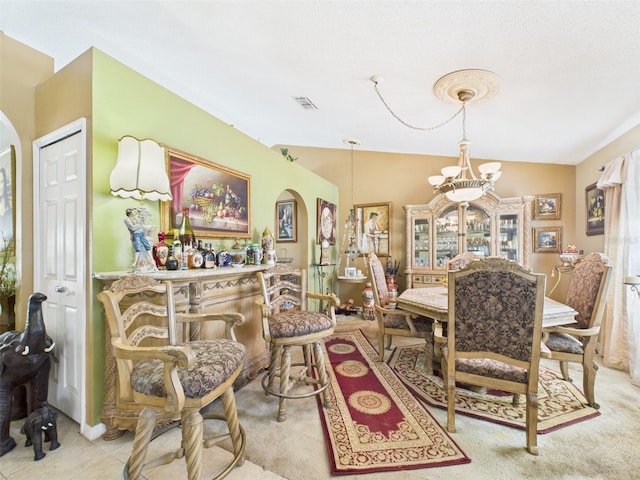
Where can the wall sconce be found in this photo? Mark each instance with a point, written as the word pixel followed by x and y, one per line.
pixel 634 281
pixel 140 171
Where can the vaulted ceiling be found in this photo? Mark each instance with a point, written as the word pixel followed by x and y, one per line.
pixel 570 70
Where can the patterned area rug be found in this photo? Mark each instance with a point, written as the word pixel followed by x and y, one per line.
pixel 560 403
pixel 374 423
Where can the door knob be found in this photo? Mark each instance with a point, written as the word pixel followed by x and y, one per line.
pixel 60 289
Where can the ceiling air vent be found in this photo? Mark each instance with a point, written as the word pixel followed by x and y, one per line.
pixel 305 103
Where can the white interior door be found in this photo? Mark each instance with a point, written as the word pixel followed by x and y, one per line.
pixel 59 263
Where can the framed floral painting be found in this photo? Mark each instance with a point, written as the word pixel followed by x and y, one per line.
pixel 218 198
pixel 547 207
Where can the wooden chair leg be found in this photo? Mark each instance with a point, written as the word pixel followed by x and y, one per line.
pixel 192 433
pixel 231 417
pixel 451 404
pixel 532 423
pixel 380 344
pixel 285 370
pixel 588 383
pixel 323 376
pixel 564 369
pixel 274 365
pixel 144 431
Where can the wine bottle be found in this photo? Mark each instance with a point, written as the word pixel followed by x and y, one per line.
pixel 187 237
pixel 177 246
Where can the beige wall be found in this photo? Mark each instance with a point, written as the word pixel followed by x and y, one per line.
pixel 21 69
pixel 402 179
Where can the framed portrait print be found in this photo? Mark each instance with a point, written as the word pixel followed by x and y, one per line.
pixel 286 221
pixel 547 207
pixel 218 198
pixel 547 240
pixel 372 228
pixel 326 222
pixel 594 208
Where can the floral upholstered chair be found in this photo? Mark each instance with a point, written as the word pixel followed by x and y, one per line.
pixel 287 322
pixel 493 334
pixel 396 321
pixel 587 295
pixel 165 375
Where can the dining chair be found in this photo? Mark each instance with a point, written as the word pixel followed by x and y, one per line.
pixel 395 321
pixel 288 322
pixel 587 293
pixel 461 260
pixel 494 333
pixel 166 375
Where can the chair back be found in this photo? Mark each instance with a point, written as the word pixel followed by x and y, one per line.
pixel 139 312
pixel 378 280
pixel 461 260
pixel 587 291
pixel 284 288
pixel 495 312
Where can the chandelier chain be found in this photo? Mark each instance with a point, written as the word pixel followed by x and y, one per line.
pixel 462 109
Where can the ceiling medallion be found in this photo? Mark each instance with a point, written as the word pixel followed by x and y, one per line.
pixel 483 83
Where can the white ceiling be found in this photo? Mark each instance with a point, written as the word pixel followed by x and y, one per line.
pixel 570 69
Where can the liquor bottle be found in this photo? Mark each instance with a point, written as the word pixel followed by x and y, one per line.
pixel 161 252
pixel 177 247
pixel 196 259
pixel 202 248
pixel 172 261
pixel 209 257
pixel 187 237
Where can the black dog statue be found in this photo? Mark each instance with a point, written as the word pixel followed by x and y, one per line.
pixel 39 422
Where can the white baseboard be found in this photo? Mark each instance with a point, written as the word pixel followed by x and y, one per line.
pixel 93 432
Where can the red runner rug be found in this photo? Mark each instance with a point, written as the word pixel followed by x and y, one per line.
pixel 374 423
pixel 560 403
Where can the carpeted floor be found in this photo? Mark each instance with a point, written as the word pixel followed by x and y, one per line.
pixel 374 423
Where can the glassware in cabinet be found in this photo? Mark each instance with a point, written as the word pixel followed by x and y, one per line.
pixel 478 231
pixel 421 247
pixel 446 236
pixel 509 236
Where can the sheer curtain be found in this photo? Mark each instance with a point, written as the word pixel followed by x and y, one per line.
pixel 620 331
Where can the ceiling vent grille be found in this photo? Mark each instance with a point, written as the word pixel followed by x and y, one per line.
pixel 305 103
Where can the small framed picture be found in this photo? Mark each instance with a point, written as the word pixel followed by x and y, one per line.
pixel 547 240
pixel 350 272
pixel 594 208
pixel 547 207
pixel 286 221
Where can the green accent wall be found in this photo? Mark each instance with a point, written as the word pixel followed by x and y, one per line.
pixel 124 102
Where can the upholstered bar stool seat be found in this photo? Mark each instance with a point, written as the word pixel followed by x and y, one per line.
pixel 286 323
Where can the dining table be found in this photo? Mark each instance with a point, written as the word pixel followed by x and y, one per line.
pixel 433 302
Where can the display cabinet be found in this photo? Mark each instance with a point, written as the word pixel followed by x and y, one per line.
pixel 441 229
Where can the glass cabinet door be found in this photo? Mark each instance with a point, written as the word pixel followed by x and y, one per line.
pixel 509 234
pixel 446 237
pixel 478 232
pixel 421 243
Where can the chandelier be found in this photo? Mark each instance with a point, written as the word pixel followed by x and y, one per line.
pixel 458 182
